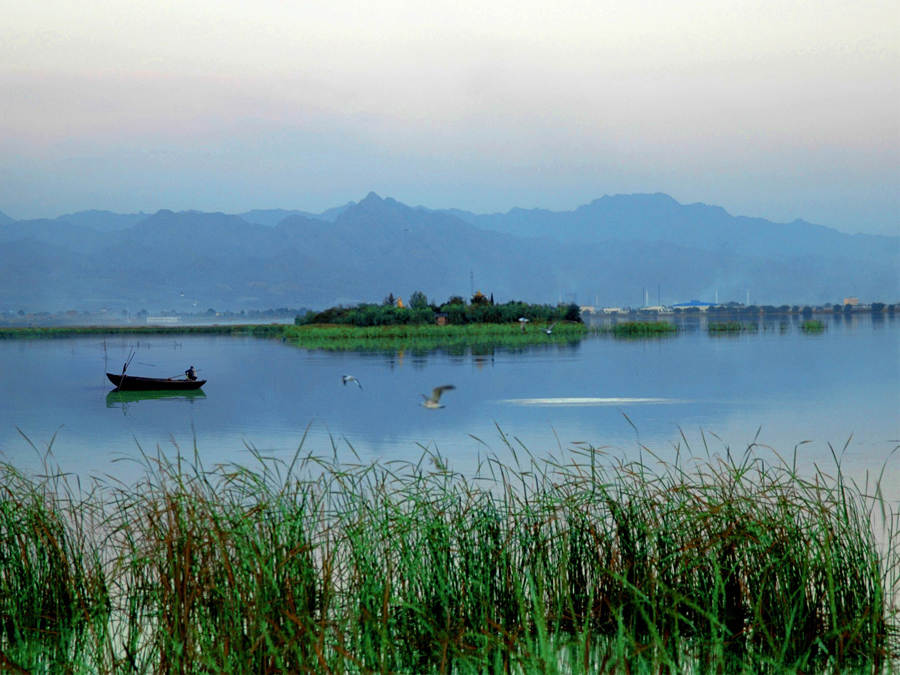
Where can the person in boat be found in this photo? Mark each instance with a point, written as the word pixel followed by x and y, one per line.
pixel 191 374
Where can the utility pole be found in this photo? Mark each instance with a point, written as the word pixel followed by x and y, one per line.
pixel 658 302
pixel 471 282
pixel 748 298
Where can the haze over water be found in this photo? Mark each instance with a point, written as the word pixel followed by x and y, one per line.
pixel 779 386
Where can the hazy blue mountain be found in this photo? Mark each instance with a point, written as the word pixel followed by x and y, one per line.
pixel 272 217
pixel 658 217
pixel 102 221
pixel 5 219
pixel 193 260
pixel 54 232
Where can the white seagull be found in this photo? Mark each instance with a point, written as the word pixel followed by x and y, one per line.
pixel 522 322
pixel 433 402
pixel 349 378
pixel 549 331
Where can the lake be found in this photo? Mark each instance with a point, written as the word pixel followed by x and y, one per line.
pixel 777 386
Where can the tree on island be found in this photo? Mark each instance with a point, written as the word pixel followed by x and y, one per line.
pixel 418 300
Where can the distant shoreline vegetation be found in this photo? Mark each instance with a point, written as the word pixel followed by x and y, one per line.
pixel 39 332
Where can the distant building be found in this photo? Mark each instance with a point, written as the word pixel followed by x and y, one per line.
pixel 853 302
pixel 161 320
pixel 440 319
pixel 613 310
pixel 702 306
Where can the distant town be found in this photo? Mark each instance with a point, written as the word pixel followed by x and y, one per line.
pixel 143 317
pixel 848 305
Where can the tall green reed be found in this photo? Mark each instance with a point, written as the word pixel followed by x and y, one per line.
pixel 574 564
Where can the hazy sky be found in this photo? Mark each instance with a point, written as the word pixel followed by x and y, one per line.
pixel 774 109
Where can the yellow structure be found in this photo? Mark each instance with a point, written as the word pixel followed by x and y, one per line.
pixel 399 302
pixel 853 302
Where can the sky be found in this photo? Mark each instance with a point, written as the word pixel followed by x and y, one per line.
pixel 781 110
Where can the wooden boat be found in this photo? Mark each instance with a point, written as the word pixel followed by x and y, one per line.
pixel 131 383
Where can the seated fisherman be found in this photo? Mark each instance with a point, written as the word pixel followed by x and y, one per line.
pixel 191 374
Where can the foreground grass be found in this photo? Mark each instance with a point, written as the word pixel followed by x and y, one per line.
pixel 561 566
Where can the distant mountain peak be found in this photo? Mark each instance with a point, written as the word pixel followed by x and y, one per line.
pixel 5 219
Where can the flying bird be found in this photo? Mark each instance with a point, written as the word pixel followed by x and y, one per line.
pixel 522 322
pixel 349 378
pixel 549 331
pixel 433 402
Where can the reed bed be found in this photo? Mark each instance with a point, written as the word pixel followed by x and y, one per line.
pixel 426 338
pixel 812 326
pixel 725 327
pixel 638 329
pixel 560 565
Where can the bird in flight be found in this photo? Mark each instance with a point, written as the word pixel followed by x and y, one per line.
pixel 549 331
pixel 349 378
pixel 434 401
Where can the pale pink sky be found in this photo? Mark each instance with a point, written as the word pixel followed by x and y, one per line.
pixel 775 109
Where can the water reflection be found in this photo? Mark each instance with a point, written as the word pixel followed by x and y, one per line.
pixel 841 383
pixel 124 399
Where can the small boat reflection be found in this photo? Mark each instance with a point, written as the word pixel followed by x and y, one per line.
pixel 123 399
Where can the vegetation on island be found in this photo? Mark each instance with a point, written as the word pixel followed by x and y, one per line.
pixel 427 337
pixel 456 325
pixel 566 565
pixel 480 309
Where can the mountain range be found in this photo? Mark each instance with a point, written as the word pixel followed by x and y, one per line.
pixel 607 251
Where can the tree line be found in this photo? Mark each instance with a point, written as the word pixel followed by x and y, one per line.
pixel 419 310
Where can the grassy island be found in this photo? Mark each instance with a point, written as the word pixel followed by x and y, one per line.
pixel 637 329
pixel 346 337
pixel 426 337
pixel 571 565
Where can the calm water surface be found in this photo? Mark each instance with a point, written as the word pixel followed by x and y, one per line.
pixel 778 386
